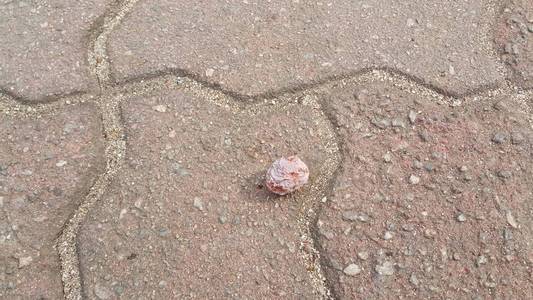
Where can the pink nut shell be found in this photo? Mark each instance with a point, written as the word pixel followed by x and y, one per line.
pixel 286 175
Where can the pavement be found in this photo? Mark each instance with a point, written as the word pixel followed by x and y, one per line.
pixel 135 137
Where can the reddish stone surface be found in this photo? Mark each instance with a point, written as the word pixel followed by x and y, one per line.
pixel 44 46
pixel 514 37
pixel 188 215
pixel 286 175
pixel 253 47
pixel 433 201
pixel 46 167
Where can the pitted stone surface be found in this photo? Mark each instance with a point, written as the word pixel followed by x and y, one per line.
pixel 253 47
pixel 514 36
pixel 44 46
pixel 188 215
pixel 433 201
pixel 46 168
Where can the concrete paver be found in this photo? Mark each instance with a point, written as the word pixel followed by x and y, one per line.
pixel 43 49
pixel 253 47
pixel 189 215
pixel 46 167
pixel 433 201
pixel 432 198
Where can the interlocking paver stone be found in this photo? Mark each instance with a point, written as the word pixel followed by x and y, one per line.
pixel 429 204
pixel 514 36
pixel 188 216
pixel 46 168
pixel 432 200
pixel 253 47
pixel 44 46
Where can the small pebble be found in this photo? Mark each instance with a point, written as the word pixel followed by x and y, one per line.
pixel 499 137
pixel 363 255
pixel 413 179
pixel 25 261
pixel 412 116
pixel 463 169
pixel 398 123
pixel 451 70
pixel 505 174
pixel 287 175
pixel 429 233
pixel 388 235
pixel 222 219
pixel 461 217
pixel 160 108
pixel 510 219
pixel 101 292
pixel 383 123
pixel 481 260
pixel 61 163
pixel 436 155
pixel 387 158
pixel 468 177
pixel 172 134
pixel 198 203
pixel 507 234
pixel 163 232
pixel 386 268
pixel 325 233
pixel 335 265
pixel 209 72
pixel 351 215
pixel 517 138
pixel 408 227
pixel 413 279
pixel 424 136
pixel 352 270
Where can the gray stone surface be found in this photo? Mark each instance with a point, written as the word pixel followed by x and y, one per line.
pixel 44 46
pixel 254 47
pixel 429 252
pixel 46 168
pixel 188 215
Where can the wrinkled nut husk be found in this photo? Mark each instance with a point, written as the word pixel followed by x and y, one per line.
pixel 286 175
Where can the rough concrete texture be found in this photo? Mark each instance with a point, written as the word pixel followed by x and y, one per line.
pixel 253 47
pixel 433 200
pixel 43 49
pixel 427 102
pixel 514 37
pixel 189 216
pixel 46 166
